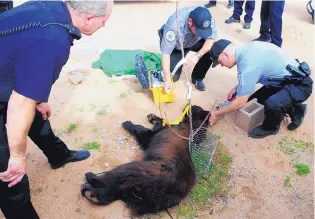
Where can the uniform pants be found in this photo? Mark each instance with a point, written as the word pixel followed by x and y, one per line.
pixel 249 9
pixel 200 69
pixel 279 101
pixel 271 21
pixel 15 202
pixel 5 5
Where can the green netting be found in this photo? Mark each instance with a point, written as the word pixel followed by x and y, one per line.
pixel 122 62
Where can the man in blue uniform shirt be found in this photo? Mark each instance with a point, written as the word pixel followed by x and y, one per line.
pixel 198 32
pixel 35 41
pixel 283 92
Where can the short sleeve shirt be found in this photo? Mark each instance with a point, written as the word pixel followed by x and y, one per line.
pixel 31 60
pixel 171 39
pixel 260 62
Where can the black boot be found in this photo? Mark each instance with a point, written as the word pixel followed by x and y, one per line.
pixel 297 116
pixel 260 132
pixel 75 156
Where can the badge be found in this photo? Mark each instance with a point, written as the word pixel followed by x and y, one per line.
pixel 206 24
pixel 212 23
pixel 170 36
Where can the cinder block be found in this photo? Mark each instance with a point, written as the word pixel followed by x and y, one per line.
pixel 249 116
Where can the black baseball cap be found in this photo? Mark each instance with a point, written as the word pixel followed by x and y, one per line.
pixel 216 50
pixel 201 18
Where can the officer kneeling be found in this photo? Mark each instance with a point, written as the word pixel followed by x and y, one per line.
pixel 198 32
pixel 286 83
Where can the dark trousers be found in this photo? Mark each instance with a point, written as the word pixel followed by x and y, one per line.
pixel 5 5
pixel 249 10
pixel 271 21
pixel 200 69
pixel 15 202
pixel 279 101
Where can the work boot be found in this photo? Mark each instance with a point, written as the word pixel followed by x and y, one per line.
pixel 263 39
pixel 230 4
pixel 210 4
pixel 74 157
pixel 199 85
pixel 297 116
pixel 232 20
pixel 260 132
pixel 247 25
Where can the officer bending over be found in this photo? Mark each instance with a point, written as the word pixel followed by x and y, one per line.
pixel 35 41
pixel 198 32
pixel 283 92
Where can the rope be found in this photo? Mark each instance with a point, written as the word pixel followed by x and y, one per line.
pixel 184 68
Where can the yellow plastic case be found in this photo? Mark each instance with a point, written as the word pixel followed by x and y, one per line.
pixel 158 93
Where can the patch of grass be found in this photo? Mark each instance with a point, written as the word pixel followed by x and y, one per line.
pixel 123 95
pixel 290 145
pixel 302 169
pixel 111 81
pixel 200 159
pixel 210 185
pixel 287 181
pixel 103 111
pixel 81 109
pixel 72 127
pixel 220 136
pixel 184 211
pixel 91 145
pixel 140 91
pixel 95 130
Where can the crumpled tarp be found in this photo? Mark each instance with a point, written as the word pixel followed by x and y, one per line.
pixel 122 62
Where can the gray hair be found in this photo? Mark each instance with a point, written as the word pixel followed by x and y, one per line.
pixel 95 7
pixel 230 49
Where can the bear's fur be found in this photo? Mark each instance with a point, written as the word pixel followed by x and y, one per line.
pixel 162 179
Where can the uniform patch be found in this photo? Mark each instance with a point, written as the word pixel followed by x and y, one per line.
pixel 170 36
pixel 212 23
pixel 206 24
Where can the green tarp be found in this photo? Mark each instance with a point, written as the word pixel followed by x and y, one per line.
pixel 122 62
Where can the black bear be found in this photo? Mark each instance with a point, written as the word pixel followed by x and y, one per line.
pixel 162 179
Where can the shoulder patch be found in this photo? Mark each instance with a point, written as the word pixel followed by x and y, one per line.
pixel 212 23
pixel 170 36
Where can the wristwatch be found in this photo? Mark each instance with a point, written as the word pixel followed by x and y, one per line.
pixel 199 55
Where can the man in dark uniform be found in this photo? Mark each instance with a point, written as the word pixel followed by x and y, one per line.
pixel 238 10
pixel 271 22
pixel 35 41
pixel 5 5
pixel 198 32
pixel 287 83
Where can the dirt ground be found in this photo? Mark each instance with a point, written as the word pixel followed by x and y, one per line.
pixel 259 167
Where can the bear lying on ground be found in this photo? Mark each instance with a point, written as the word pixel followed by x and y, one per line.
pixel 162 179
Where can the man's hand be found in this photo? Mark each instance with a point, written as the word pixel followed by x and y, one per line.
pixel 167 86
pixel 44 109
pixel 232 93
pixel 17 168
pixel 213 118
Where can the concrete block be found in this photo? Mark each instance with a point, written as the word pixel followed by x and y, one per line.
pixel 251 115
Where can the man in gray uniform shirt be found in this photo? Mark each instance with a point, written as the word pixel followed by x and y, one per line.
pixel 287 83
pixel 198 32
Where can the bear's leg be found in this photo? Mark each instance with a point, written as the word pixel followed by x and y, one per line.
pixel 141 133
pixel 156 121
